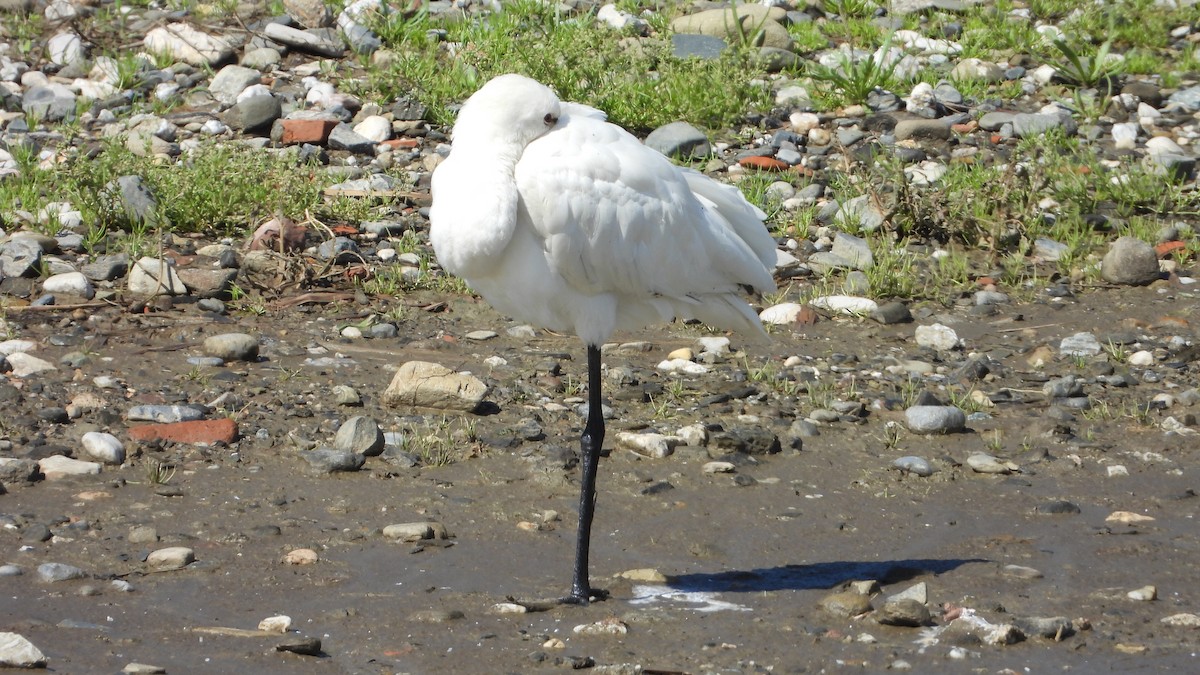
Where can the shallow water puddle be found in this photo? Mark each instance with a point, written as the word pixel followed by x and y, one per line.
pixel 699 601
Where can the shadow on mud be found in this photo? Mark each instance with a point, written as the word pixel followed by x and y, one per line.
pixel 814 576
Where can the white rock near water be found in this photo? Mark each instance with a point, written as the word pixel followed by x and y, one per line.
pixel 18 652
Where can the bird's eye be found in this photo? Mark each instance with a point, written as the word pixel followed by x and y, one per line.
pixel 550 119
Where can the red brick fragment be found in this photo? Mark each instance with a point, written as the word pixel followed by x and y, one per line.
pixel 306 131
pixel 403 143
pixel 763 163
pixel 198 432
pixel 1168 247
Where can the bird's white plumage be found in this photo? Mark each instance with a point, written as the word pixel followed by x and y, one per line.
pixel 561 219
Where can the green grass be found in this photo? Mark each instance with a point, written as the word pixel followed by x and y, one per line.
pixel 640 87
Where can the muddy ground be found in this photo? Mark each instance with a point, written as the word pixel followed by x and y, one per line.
pixel 767 543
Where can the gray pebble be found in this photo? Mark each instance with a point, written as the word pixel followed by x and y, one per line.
pixel 52 572
pixel 915 465
pixel 360 435
pixel 935 419
pixel 328 460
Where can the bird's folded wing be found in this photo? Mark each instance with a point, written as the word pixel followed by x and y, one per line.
pixel 618 217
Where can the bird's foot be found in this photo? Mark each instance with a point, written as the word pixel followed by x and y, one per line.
pixel 574 599
pixel 585 597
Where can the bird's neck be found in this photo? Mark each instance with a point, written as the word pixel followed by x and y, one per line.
pixel 470 233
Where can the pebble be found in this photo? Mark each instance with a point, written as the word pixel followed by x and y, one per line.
pixel 276 624
pixel 232 347
pixel 57 467
pixel 429 385
pixel 165 414
pixel 846 604
pixel 937 336
pixel 329 460
pixel 53 572
pixel 301 556
pixel 409 531
pixel 781 314
pixel 360 435
pixel 16 651
pixel 1079 344
pixel 845 304
pixel 681 366
pixel 935 419
pixel 981 462
pixel 170 558
pixel 103 447
pixel 655 446
pixel 1143 594
pixel 1130 261
pixel 915 465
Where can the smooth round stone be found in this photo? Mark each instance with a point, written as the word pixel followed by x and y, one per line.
pixel 171 558
pixel 915 465
pixel 69 283
pixel 11 571
pixel 209 361
pixel 781 314
pixel 232 347
pixel 937 336
pixel 103 447
pixel 935 419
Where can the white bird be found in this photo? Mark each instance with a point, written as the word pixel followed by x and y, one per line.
pixel 561 219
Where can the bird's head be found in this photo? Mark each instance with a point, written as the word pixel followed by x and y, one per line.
pixel 509 109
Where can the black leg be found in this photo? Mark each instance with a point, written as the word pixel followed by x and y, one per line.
pixel 590 444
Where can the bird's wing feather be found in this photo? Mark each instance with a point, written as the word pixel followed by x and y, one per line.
pixel 618 217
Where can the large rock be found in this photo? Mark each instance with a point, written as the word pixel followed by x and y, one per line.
pixel 430 385
pixel 152 276
pixel 18 652
pixel 752 22
pixel 1129 261
pixel 181 41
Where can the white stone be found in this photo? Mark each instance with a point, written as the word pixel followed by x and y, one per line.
pixel 181 41
pixel 682 366
pixel 276 624
pixel 71 283
pixel 1125 135
pixel 103 447
pixel 717 346
pixel 655 446
pixel 254 90
pixel 1141 358
pixel 151 276
pixel 59 466
pixel 620 20
pixel 1162 145
pixel 937 336
pixel 375 127
pixel 170 558
pixel 66 48
pixel 803 122
pixel 845 304
pixel 23 365
pixel 693 434
pixel 781 314
pixel 18 652
pixel 16 346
